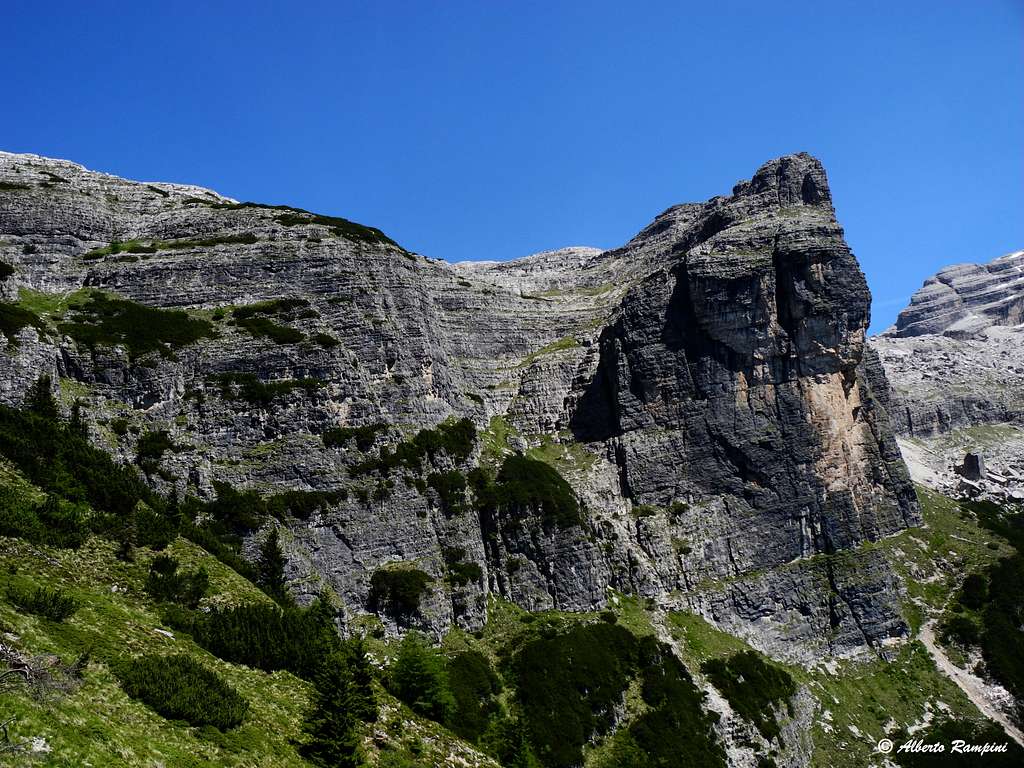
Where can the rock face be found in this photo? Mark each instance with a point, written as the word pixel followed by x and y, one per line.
pixel 955 363
pixel 705 389
pixel 964 299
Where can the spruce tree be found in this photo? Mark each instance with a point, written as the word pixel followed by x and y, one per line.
pixel 270 568
pixel 420 679
pixel 364 704
pixel 332 724
pixel 40 401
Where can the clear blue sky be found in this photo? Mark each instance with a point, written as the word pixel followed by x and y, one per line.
pixel 471 130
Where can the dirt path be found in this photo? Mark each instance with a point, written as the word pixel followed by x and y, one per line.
pixel 967 683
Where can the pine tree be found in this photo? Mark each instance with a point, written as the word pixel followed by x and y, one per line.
pixel 364 704
pixel 420 679
pixel 40 401
pixel 270 568
pixel 332 724
pixel 77 425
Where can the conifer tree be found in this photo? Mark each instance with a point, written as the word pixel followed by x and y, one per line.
pixel 270 568
pixel 40 401
pixel 363 702
pixel 420 679
pixel 332 724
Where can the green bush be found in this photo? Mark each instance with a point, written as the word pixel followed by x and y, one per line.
pixel 675 722
pixel 974 592
pixel 419 677
pixel 180 688
pixel 13 318
pixel 526 487
pixel 339 226
pixel 268 637
pixel 451 490
pixel 247 387
pixel 6 270
pixel 42 601
pixel 55 522
pixel 365 436
pixel 454 439
pixel 61 461
pixel 460 572
pixel 108 321
pixel 167 584
pixel 960 630
pixel 265 328
pixel 135 246
pixel 475 689
pixel 151 448
pixel 753 688
pixel 397 591
pixel 325 340
pixel 568 687
pixel 256 319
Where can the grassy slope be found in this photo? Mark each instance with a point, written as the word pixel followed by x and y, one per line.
pixel 99 725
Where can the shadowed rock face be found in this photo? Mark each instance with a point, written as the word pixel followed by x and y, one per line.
pixel 713 370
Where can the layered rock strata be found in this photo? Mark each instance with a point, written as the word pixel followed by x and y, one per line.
pixel 705 389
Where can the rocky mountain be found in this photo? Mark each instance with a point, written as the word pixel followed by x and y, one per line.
pixel 955 362
pixel 702 389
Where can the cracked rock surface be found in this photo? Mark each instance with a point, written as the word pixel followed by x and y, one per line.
pixel 706 389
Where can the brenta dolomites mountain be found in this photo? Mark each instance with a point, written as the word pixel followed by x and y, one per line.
pixel 702 397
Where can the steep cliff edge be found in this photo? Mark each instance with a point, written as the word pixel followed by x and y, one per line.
pixel 705 390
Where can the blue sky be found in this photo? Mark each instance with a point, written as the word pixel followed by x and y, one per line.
pixel 497 129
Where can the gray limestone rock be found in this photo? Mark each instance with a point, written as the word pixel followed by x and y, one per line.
pixel 705 389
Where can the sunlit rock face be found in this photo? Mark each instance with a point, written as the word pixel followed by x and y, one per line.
pixel 705 389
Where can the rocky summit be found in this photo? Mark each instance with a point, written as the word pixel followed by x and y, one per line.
pixel 694 417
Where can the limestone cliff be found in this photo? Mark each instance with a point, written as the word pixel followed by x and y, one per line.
pixel 705 389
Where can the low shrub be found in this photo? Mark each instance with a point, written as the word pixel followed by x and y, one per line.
pixel 454 439
pixel 526 487
pixel 166 583
pixel 42 601
pixel 451 490
pixel 247 387
pixel 753 687
pixel 397 591
pixel 180 688
pixel 108 321
pixel 268 637
pixel 13 318
pixel 364 436
pixel 6 270
pixel 325 340
pixel 151 448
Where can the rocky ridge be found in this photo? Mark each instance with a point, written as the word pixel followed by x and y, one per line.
pixel 955 363
pixel 705 389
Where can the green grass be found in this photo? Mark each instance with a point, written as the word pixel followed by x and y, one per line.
pixel 248 388
pixel 98 723
pixel 568 342
pixel 932 560
pixel 103 320
pixel 139 247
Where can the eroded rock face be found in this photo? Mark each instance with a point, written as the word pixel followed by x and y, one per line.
pixel 955 365
pixel 964 299
pixel 705 389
